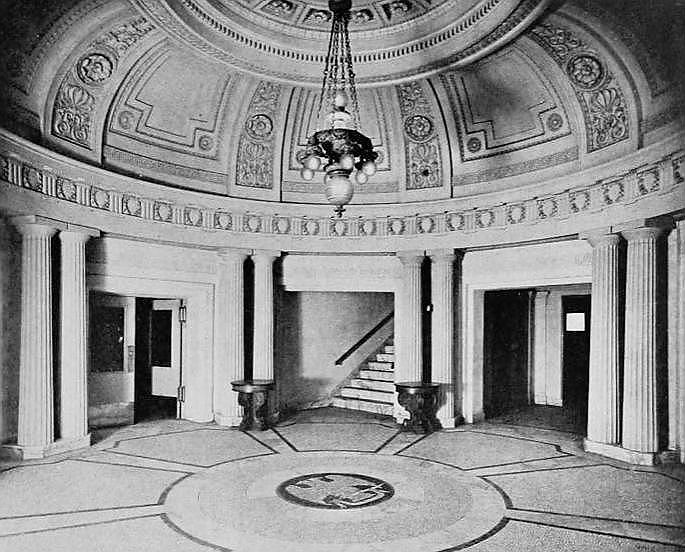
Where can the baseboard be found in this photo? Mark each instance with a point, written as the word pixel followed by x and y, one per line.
pixel 24 452
pixel 619 453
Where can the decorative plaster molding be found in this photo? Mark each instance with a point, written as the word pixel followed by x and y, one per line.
pixel 255 163
pixel 112 193
pixel 598 91
pixel 81 87
pixel 422 148
pixel 236 35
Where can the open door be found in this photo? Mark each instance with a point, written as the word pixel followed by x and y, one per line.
pixel 576 357
pixel 112 334
pixel 506 369
pixel 159 389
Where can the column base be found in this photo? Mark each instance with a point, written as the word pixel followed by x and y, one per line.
pixel 474 418
pixel 619 453
pixel 450 423
pixel 227 421
pixel 24 452
pixel 669 457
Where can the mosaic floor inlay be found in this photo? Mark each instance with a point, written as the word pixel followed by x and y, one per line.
pixel 331 481
pixel 335 491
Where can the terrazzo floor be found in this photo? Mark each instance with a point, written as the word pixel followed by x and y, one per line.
pixel 330 480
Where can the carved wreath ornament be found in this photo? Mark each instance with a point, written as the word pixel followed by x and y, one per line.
pixel 586 71
pixel 94 69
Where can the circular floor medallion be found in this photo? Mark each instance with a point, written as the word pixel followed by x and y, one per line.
pixel 316 502
pixel 335 491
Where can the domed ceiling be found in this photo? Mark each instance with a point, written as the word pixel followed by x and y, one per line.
pixel 392 39
pixel 459 97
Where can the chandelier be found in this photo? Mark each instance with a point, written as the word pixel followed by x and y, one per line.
pixel 338 147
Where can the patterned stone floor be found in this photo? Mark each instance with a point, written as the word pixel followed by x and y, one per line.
pixel 337 481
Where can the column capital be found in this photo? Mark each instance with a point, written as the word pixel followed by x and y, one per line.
pixel 443 255
pixel 411 258
pixel 36 225
pixel 643 233
pixel 232 254
pixel 664 222
pixel 84 230
pixel 599 239
pixel 266 254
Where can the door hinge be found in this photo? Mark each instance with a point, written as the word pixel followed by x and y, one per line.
pixel 182 313
pixel 181 393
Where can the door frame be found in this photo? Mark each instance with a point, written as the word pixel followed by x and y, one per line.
pixel 198 338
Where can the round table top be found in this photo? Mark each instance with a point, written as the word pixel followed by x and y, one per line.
pixel 416 386
pixel 250 386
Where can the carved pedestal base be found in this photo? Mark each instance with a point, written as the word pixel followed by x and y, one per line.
pixel 253 396
pixel 420 400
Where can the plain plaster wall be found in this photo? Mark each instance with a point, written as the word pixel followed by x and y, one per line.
pixel 10 329
pixel 312 330
pixel 548 342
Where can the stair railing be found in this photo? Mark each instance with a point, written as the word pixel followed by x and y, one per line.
pixel 368 335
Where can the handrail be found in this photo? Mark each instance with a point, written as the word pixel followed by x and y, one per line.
pixel 368 335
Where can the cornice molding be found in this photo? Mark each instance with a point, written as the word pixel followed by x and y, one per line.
pixel 613 193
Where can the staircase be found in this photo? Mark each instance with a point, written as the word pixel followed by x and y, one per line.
pixel 371 388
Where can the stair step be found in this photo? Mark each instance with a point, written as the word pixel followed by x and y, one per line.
pixel 372 384
pixel 370 394
pixel 366 406
pixel 385 357
pixel 389 349
pixel 384 375
pixel 379 365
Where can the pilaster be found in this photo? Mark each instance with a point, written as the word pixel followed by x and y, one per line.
pixel 263 348
pixel 35 431
pixel 603 393
pixel 676 338
pixel 640 431
pixel 74 339
pixel 230 361
pixel 442 333
pixel 409 360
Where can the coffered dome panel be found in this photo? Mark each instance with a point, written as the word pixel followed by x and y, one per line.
pixel 149 90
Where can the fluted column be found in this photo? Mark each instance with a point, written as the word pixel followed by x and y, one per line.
pixel 263 356
pixel 676 337
pixel 442 332
pixel 74 339
pixel 231 325
pixel 409 361
pixel 639 380
pixel 35 428
pixel 603 392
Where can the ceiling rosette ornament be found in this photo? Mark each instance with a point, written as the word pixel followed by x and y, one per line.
pixel 281 39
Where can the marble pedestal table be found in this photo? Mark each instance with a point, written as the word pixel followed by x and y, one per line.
pixel 420 400
pixel 253 396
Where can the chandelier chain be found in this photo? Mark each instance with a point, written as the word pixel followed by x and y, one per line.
pixel 325 85
pixel 351 75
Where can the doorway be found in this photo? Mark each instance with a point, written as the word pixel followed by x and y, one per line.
pixel 506 373
pixel 112 325
pixel 135 360
pixel 575 357
pixel 158 374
